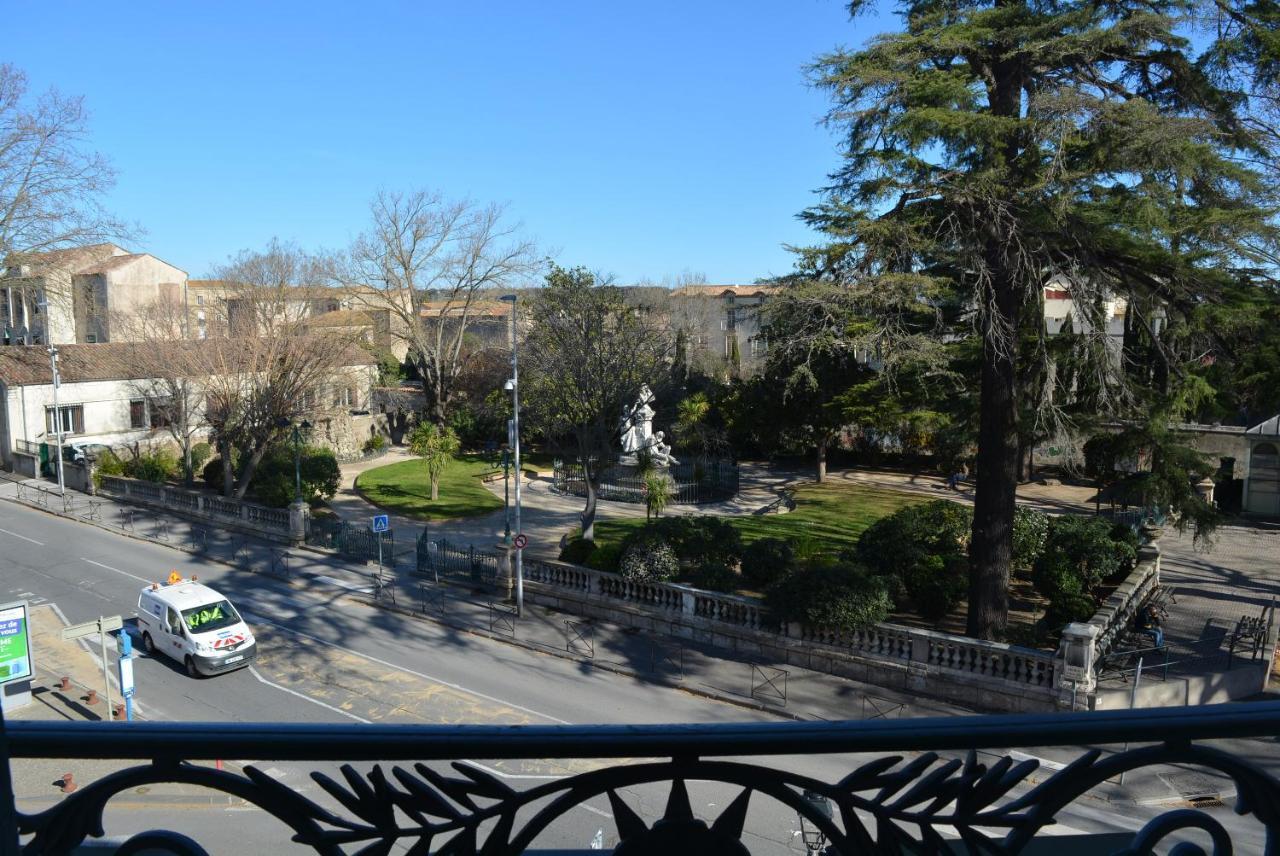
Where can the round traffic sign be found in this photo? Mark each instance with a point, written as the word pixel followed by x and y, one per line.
pixel 521 541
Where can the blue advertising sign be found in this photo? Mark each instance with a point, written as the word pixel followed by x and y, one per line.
pixel 381 523
pixel 15 643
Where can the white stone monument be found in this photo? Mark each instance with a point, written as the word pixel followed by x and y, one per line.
pixel 638 436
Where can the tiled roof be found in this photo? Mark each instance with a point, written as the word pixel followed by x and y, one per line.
pixel 478 309
pixel 340 318
pixel 722 290
pixel 28 365
pixel 72 258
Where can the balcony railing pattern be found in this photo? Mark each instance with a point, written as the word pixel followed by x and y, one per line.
pixel 931 785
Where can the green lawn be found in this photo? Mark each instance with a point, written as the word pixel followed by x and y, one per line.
pixel 405 488
pixel 827 518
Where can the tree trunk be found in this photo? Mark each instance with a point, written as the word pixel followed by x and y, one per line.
pixel 435 488
pixel 228 475
pixel 589 513
pixel 822 462
pixel 996 470
pixel 247 472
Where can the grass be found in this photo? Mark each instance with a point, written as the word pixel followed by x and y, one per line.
pixel 827 518
pixel 405 488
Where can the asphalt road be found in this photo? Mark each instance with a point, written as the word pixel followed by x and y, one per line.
pixel 325 658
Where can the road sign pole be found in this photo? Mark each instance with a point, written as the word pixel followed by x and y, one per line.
pixel 126 672
pixel 106 670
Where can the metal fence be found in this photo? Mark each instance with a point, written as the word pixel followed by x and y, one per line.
pixel 693 482
pixel 440 559
pixel 352 540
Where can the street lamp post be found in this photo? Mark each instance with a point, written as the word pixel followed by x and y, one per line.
pixel 506 493
pixel 57 417
pixel 297 453
pixel 514 385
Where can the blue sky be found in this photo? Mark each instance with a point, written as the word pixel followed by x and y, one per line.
pixel 640 140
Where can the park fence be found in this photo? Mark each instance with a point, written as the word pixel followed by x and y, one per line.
pixel 439 560
pixel 352 540
pixel 694 482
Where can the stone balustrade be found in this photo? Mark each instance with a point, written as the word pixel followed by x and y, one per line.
pixel 1117 611
pixel 218 509
pixel 988 674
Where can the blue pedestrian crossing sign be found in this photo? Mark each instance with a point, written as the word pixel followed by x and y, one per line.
pixel 381 523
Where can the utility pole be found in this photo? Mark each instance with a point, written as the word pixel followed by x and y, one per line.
pixel 515 422
pixel 57 417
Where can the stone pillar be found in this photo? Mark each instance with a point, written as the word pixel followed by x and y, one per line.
pixel 1074 664
pixel 90 470
pixel 297 522
pixel 506 569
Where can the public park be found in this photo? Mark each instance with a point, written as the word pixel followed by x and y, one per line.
pixel 821 430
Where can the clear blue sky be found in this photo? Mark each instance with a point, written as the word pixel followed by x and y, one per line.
pixel 637 139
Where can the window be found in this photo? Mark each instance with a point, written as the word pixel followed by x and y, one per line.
pixel 69 419
pixel 91 338
pixel 137 413
pixel 759 347
pixel 200 301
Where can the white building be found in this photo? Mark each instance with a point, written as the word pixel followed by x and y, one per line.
pixel 69 296
pixel 104 399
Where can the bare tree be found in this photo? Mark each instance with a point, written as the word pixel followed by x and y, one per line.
pixel 169 367
pixel 270 368
pixel 429 261
pixel 51 186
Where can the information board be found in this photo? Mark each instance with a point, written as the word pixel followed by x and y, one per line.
pixel 15 643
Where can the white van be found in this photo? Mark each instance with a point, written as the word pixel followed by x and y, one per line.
pixel 194 625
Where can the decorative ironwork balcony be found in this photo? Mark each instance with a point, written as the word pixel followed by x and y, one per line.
pixel 899 802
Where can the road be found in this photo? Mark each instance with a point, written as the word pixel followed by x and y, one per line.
pixel 326 658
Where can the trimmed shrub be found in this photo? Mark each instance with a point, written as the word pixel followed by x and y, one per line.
pixel 920 551
pixel 158 466
pixel 605 557
pixel 1030 532
pixel 212 474
pixel 1079 554
pixel 840 596
pixel 200 454
pixel 274 482
pixel 110 464
pixel 649 559
pixel 701 542
pixel 936 584
pixel 577 551
pixel 767 561
pixel 376 443
pixel 713 578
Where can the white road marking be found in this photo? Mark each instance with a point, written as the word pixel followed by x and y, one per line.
pixel 253 671
pixel 422 675
pixel 23 537
pixel 117 570
pixel 320 578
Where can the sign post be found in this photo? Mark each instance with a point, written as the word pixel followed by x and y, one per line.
pixel 126 673
pixel 381 523
pixel 102 627
pixel 15 655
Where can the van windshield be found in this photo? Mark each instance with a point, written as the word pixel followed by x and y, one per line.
pixel 211 616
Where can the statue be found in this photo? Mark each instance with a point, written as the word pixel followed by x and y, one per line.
pixel 637 435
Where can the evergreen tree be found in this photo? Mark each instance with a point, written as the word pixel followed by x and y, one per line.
pixel 994 144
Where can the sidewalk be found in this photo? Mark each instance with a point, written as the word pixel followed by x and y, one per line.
pixel 789 692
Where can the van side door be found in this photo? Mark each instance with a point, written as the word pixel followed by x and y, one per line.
pixel 174 642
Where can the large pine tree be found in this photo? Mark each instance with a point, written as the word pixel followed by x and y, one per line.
pixel 994 144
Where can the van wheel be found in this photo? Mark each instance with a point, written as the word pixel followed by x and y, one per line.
pixel 191 668
pixel 148 644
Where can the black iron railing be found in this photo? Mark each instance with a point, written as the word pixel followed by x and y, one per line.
pixel 902 801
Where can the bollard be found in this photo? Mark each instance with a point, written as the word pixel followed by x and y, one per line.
pixel 68 783
pixel 64 683
pixel 91 698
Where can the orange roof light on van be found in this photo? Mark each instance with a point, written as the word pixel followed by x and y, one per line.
pixel 174 578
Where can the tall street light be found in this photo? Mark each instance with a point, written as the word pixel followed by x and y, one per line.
pixel 57 416
pixel 514 386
